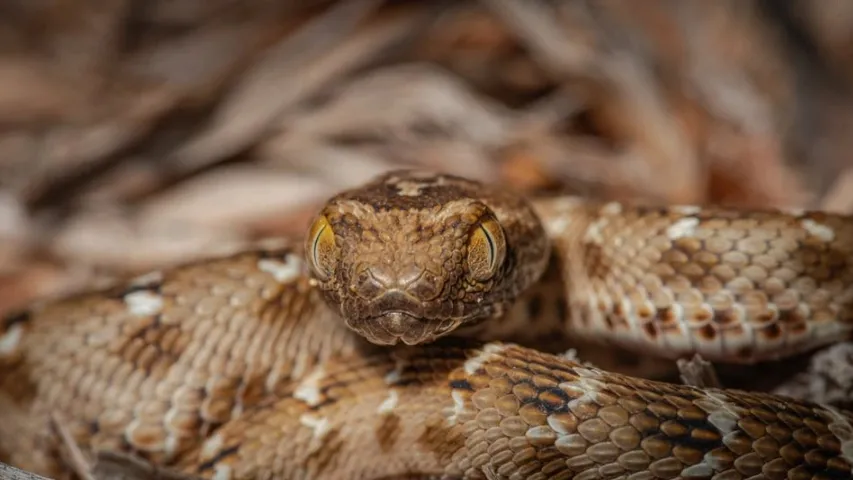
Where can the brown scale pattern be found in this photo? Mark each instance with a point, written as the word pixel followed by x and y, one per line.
pixel 236 367
pixel 402 243
pixel 502 411
pixel 735 286
pixel 153 366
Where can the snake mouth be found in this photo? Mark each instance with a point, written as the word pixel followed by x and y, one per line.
pixel 391 328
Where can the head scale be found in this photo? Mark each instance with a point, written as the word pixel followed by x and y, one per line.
pixel 413 255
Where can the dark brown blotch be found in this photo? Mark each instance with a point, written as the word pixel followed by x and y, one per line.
pixel 255 390
pixel 596 261
pixel 771 332
pixel 553 400
pixel 791 317
pixel 618 310
pixel 323 458
pixel 725 317
pixel 651 329
pixel 708 332
pixel 164 339
pixel 439 440
pixel 461 384
pixel 388 431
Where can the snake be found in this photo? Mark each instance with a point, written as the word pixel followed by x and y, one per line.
pixel 404 337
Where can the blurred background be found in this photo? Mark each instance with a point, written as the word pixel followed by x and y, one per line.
pixel 140 133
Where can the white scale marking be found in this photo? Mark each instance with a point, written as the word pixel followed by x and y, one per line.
pixel 223 472
pixel 283 272
pixel 684 227
pixel 10 340
pixel 389 404
pixel 309 390
pixel 819 230
pixel 489 351
pixel 144 303
pixel 319 425
pixel 409 189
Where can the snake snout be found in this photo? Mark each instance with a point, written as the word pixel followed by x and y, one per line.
pixel 384 283
pixel 401 325
pixel 393 327
pixel 397 316
pixel 393 301
pixel 392 275
pixel 389 328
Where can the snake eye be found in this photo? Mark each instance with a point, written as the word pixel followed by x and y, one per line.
pixel 486 249
pixel 322 249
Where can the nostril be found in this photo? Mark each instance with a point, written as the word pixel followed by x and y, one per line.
pixel 367 285
pixel 427 287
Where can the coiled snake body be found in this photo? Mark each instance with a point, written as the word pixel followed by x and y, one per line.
pixel 371 350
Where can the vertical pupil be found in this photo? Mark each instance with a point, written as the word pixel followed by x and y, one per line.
pixel 315 249
pixel 491 246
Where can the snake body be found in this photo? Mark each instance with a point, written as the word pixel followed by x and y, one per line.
pixel 369 350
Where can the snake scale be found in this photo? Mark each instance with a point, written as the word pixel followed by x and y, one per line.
pixel 389 344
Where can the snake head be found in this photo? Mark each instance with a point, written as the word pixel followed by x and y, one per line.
pixel 412 255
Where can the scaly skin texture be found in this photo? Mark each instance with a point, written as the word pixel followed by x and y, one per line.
pixel 401 265
pixel 508 412
pixel 734 286
pixel 154 366
pixel 246 367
